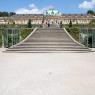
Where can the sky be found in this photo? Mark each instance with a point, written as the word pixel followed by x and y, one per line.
pixel 39 6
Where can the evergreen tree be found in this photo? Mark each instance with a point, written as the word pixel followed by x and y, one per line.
pixel 14 24
pixel 91 12
pixel 70 24
pixel 7 14
pixel 12 13
pixel 29 25
pixel 61 24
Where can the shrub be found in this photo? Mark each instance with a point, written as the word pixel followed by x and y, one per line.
pixel 29 25
pixel 70 24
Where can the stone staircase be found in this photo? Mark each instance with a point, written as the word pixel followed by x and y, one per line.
pixel 48 40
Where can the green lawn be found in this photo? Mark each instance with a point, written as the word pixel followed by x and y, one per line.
pixel 25 33
pixel 74 32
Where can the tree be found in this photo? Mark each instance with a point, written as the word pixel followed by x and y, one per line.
pixel 7 14
pixel 29 25
pixel 61 24
pixel 14 24
pixel 70 24
pixel 91 12
pixel 4 14
pixel 12 13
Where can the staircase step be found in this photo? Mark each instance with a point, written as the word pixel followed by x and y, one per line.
pixel 38 45
pixel 46 37
pixel 49 40
pixel 49 49
pixel 48 46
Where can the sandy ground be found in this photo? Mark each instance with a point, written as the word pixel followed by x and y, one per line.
pixel 47 74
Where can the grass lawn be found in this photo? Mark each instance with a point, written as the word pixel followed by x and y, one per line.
pixel 25 33
pixel 74 32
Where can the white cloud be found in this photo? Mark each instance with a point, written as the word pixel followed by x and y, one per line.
pixel 32 9
pixel 32 6
pixel 87 4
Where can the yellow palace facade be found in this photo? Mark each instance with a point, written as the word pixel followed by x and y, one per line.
pixel 51 15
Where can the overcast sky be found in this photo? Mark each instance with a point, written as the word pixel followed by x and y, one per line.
pixel 38 6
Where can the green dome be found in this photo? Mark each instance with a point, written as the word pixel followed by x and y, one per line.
pixel 52 12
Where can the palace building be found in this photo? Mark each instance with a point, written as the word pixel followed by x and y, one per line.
pixel 51 15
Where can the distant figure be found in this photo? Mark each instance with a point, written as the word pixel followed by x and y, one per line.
pixel 56 21
pixel 48 24
pixel 43 23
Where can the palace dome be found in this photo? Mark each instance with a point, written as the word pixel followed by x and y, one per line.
pixel 52 12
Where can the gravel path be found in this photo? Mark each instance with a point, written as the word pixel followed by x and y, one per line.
pixel 47 74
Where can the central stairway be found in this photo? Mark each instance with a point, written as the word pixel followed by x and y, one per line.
pixel 48 40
